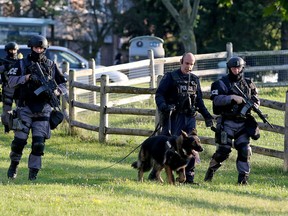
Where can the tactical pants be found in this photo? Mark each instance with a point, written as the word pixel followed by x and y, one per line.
pixel 178 122
pixel 38 123
pixel 7 104
pixel 234 131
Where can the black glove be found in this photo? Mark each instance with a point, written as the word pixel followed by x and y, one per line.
pixel 34 78
pixel 209 122
pixel 170 107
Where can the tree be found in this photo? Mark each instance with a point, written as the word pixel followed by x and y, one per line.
pixel 186 19
pixel 31 8
pixel 150 17
pixel 280 7
pixel 241 23
pixel 90 25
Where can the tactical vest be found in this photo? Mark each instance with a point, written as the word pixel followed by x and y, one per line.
pixel 233 110
pixel 187 93
pixel 26 92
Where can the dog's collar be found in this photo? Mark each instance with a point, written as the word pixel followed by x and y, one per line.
pixel 171 147
pixel 168 144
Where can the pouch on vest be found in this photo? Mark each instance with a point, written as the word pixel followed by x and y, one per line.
pixel 56 117
pixel 252 127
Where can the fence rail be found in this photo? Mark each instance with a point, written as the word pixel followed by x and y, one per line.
pixel 107 107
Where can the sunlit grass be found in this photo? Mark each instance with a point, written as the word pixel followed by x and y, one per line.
pixel 81 176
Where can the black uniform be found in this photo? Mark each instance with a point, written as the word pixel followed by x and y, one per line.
pixel 7 92
pixel 233 128
pixel 33 111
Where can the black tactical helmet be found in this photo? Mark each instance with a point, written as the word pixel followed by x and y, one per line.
pixel 235 62
pixel 11 46
pixel 38 41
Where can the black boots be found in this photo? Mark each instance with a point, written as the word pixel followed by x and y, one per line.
pixel 33 174
pixel 213 166
pixel 243 179
pixel 209 175
pixel 12 171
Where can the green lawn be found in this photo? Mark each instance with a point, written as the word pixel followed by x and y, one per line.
pixel 72 182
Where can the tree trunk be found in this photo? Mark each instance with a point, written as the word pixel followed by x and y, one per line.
pixel 188 39
pixel 185 19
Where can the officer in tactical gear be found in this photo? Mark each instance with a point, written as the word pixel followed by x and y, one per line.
pixel 179 98
pixel 7 93
pixel 233 128
pixel 33 111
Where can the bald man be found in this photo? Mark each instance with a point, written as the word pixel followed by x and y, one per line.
pixel 179 98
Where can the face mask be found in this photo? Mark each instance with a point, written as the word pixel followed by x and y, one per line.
pixel 235 78
pixel 12 55
pixel 37 56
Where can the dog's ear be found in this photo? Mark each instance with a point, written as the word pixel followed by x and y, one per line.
pixel 194 132
pixel 184 134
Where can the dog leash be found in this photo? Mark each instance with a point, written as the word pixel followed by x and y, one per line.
pixel 157 128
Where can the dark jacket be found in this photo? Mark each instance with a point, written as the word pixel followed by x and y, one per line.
pixel 167 92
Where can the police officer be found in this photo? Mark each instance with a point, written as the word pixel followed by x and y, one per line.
pixel 233 128
pixel 33 111
pixel 179 98
pixel 7 93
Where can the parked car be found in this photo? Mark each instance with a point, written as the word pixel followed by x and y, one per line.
pixel 60 54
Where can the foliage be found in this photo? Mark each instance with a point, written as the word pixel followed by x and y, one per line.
pixel 249 25
pixel 94 22
pixel 241 23
pixel 34 8
pixel 136 21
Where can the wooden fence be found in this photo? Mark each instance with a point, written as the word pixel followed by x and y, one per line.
pixel 106 108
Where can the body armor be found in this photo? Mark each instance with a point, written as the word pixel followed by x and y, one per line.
pixel 186 100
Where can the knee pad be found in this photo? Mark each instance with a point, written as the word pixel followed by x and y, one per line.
pixel 222 153
pixel 18 145
pixel 38 145
pixel 244 153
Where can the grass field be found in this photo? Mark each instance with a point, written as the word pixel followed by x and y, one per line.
pixel 75 181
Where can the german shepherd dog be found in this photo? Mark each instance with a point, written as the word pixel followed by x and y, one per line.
pixel 171 153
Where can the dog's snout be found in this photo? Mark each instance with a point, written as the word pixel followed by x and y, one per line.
pixel 201 149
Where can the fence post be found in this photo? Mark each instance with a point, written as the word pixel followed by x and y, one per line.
pixel 286 135
pixel 72 98
pixel 152 69
pixel 103 124
pixel 64 98
pixel 92 79
pixel 157 116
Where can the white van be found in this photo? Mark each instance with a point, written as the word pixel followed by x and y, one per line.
pixel 60 54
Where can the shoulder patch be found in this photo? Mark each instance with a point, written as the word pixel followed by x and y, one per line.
pixel 214 92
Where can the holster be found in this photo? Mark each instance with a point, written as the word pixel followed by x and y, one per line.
pixel 15 123
pixel 218 130
pixel 10 117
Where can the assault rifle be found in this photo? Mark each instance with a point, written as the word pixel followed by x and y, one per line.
pixel 48 85
pixel 249 103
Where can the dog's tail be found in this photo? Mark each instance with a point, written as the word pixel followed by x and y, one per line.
pixel 135 165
